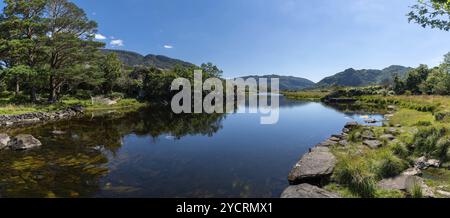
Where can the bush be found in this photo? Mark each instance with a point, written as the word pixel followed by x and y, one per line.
pixel 20 99
pixel 353 175
pixel 426 139
pixel 442 148
pixel 424 123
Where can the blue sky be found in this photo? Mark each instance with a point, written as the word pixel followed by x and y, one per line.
pixel 305 38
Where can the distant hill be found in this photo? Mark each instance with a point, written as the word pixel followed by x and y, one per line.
pixel 288 82
pixel 134 59
pixel 365 77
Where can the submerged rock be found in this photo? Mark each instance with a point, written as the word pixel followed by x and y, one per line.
pixel 371 121
pixel 307 191
pixel 24 142
pixel 315 167
pixel 4 140
pixel 374 144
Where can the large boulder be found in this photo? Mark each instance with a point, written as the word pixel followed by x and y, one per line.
pixel 315 167
pixel 24 142
pixel 307 191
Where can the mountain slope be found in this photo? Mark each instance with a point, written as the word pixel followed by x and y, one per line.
pixel 287 82
pixel 132 59
pixel 352 77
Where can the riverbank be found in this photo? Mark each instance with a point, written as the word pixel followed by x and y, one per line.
pixel 408 156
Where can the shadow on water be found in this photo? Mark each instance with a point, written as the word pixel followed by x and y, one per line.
pixel 155 153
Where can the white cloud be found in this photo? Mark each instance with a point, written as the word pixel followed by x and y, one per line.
pixel 117 42
pixel 99 36
pixel 168 46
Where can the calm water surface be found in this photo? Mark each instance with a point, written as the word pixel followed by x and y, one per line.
pixel 154 153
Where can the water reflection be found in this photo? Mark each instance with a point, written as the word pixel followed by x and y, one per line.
pixel 155 153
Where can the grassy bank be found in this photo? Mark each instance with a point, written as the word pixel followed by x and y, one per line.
pixel 314 95
pixel 419 130
pixel 13 109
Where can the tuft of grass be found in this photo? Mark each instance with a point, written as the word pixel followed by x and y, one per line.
pixel 416 191
pixel 353 174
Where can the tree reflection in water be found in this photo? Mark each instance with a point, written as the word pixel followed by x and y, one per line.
pixel 71 164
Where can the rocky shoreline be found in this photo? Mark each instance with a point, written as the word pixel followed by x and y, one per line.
pixel 37 117
pixel 315 169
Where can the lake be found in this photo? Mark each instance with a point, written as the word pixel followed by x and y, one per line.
pixel 154 153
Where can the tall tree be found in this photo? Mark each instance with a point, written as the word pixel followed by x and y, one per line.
pixel 70 41
pixel 22 29
pixel 431 13
pixel 111 68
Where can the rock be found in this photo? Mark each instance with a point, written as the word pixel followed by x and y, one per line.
pixel 345 130
pixel 368 135
pixel 387 137
pixel 370 121
pixel 103 100
pixel 327 143
pixel 344 143
pixel 351 125
pixel 315 167
pixel 58 132
pixel 334 139
pixel 374 144
pixel 24 142
pixel 434 163
pixel 412 172
pixel 307 191
pixel 4 140
pixel 396 183
pixel 444 193
pixel 78 108
pixel 398 125
pixel 392 131
pixel 423 163
pixel 338 136
pixel 391 107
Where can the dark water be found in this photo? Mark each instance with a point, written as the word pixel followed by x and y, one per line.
pixel 154 153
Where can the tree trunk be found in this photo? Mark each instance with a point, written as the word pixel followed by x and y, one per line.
pixel 33 94
pixel 17 87
pixel 52 98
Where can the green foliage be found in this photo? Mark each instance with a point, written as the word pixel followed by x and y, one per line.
pixel 430 141
pixel 431 13
pixel 390 166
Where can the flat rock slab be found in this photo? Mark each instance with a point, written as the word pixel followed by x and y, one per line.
pixel 374 144
pixel 406 183
pixel 314 167
pixel 307 191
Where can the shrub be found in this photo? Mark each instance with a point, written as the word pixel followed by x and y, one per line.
pixel 426 139
pixel 353 175
pixel 424 123
pixel 442 148
pixel 354 136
